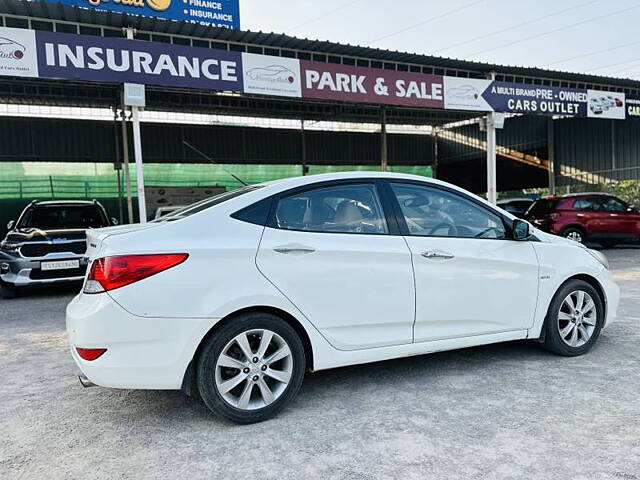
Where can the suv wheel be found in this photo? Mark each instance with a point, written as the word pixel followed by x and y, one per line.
pixel 574 233
pixel 251 368
pixel 8 291
pixel 574 319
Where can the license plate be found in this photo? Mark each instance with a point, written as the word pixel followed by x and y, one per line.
pixel 60 265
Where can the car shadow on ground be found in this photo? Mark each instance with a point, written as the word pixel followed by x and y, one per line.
pixel 329 389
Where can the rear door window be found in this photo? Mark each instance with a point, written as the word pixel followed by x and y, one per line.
pixel 340 209
pixel 588 203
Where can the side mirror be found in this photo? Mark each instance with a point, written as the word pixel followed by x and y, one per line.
pixel 114 221
pixel 11 224
pixel 521 230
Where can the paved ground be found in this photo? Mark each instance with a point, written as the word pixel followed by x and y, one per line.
pixel 502 411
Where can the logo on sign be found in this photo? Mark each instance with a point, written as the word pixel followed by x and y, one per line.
pixel 272 73
pixel 465 92
pixel 157 5
pixel 10 49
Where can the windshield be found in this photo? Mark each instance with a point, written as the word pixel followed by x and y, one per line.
pixel 206 203
pixel 540 207
pixel 55 217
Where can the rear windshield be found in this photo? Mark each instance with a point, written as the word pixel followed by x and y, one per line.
pixel 543 206
pixel 207 203
pixel 57 217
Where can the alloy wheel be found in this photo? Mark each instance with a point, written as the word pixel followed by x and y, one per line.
pixel 577 318
pixel 254 369
pixel 575 236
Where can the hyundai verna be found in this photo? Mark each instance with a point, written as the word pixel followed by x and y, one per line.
pixel 234 298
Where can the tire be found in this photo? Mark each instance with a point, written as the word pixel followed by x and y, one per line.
pixel 559 336
pixel 574 233
pixel 8 291
pixel 253 374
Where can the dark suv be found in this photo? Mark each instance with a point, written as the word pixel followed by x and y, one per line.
pixel 47 244
pixel 597 217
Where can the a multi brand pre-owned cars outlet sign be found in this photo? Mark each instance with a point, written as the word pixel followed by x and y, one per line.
pixel 29 53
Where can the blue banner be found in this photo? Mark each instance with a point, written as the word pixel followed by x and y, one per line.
pixel 219 13
pixel 83 57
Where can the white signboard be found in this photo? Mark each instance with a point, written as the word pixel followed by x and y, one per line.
pixel 18 56
pixel 602 104
pixel 465 94
pixel 267 75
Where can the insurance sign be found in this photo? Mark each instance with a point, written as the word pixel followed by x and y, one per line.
pixel 219 13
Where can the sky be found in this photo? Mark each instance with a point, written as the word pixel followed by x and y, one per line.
pixel 586 36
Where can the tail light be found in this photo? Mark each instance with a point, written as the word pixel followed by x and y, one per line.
pixel 109 273
pixel 90 354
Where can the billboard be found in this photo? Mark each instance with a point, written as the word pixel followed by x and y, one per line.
pixel 84 57
pixel 219 13
pixel 18 57
pixel 29 53
pixel 357 84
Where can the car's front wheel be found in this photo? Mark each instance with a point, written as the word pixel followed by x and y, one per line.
pixel 8 291
pixel 574 319
pixel 251 368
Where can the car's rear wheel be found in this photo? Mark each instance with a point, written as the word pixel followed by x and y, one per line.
pixel 574 319
pixel 251 368
pixel 575 234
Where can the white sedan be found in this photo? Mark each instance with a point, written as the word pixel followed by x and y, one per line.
pixel 236 297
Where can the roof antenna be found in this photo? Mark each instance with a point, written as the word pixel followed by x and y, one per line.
pixel 213 161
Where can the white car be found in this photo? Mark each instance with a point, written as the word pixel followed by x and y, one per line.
pixel 241 294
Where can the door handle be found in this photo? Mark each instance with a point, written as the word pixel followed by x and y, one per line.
pixel 437 254
pixel 294 248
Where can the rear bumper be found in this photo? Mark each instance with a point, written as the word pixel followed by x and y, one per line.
pixel 142 352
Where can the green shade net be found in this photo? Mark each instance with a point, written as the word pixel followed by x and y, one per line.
pixel 28 180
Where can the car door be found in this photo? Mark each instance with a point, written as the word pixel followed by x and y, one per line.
pixel 471 279
pixel 618 219
pixel 331 252
pixel 589 214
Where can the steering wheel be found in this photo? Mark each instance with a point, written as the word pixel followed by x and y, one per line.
pixel 452 231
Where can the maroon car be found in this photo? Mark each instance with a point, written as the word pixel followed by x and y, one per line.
pixel 597 217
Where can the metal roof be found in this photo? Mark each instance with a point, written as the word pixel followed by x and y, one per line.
pixel 450 66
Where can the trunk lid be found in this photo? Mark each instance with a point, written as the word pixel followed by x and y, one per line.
pixel 96 237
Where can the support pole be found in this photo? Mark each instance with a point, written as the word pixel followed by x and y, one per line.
pixel 137 150
pixel 383 139
pixel 434 168
pixel 613 149
pixel 129 33
pixel 551 146
pixel 117 163
pixel 491 155
pixel 303 142
pixel 127 172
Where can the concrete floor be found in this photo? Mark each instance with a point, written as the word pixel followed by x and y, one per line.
pixel 501 411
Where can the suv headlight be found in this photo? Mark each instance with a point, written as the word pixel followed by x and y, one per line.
pixel 6 245
pixel 600 257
